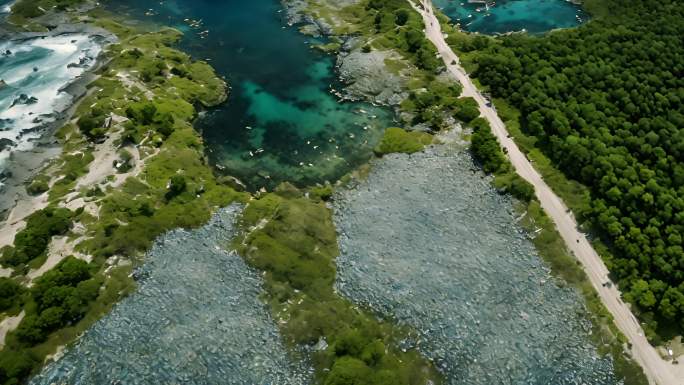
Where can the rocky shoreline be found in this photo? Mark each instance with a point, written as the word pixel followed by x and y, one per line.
pixel 22 166
pixel 364 74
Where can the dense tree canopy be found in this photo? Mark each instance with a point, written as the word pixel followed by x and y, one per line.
pixel 606 103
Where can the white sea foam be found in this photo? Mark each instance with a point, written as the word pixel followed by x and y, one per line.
pixel 38 68
pixel 6 7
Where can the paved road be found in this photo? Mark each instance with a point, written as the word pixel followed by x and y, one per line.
pixel 658 371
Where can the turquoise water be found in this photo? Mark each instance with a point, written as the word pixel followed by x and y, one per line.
pixel 533 16
pixel 195 319
pixel 281 121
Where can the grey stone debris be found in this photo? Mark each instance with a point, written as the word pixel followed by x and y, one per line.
pixel 430 244
pixel 196 318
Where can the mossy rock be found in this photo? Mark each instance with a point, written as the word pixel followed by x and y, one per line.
pixel 38 185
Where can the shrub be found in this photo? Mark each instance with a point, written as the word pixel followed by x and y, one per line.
pixel 10 291
pixel 177 186
pixel 39 185
pixel 485 147
pixel 15 364
pixel 349 371
pixel 399 140
pixel 33 240
pixel 521 189
pixel 323 193
pixel 466 109
pixel 92 126
pixel 61 296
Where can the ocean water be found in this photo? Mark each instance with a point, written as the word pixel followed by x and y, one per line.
pixel 426 240
pixel 281 122
pixel 195 319
pixel 33 72
pixel 5 6
pixel 533 16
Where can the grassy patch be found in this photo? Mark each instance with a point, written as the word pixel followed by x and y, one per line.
pixel 398 140
pixel 293 240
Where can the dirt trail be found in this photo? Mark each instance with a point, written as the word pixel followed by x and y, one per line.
pixel 7 325
pixel 657 370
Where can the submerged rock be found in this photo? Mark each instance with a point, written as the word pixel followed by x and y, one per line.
pixel 6 143
pixel 24 99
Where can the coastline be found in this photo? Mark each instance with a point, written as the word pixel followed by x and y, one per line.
pixel 532 220
pixel 157 159
pixel 24 165
pixel 96 161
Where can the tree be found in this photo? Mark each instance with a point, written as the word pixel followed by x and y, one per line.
pixel 10 291
pixel 401 16
pixel 613 120
pixel 466 109
pixel 177 186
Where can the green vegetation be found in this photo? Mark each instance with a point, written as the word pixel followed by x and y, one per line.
pixel 486 147
pixel 159 90
pixel 60 297
pixel 38 185
pixel 399 140
pixel 466 109
pixel 25 10
pixel 176 187
pixel 293 240
pixel 10 294
pixel 487 151
pixel 321 192
pixel 435 102
pixel 611 121
pixel 32 242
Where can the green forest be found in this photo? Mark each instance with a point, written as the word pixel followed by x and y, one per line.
pixel 605 102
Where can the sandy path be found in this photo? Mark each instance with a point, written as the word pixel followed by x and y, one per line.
pixel 102 165
pixel 657 370
pixel 15 221
pixel 59 248
pixel 7 325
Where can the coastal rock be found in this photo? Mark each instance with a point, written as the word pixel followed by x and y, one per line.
pixel 5 124
pixel 208 328
pixel 458 269
pixel 24 99
pixel 6 143
pixel 367 75
pixel 83 62
pixel 296 13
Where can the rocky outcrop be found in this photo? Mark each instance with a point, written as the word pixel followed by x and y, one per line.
pixel 366 75
pixel 5 143
pixel 24 99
